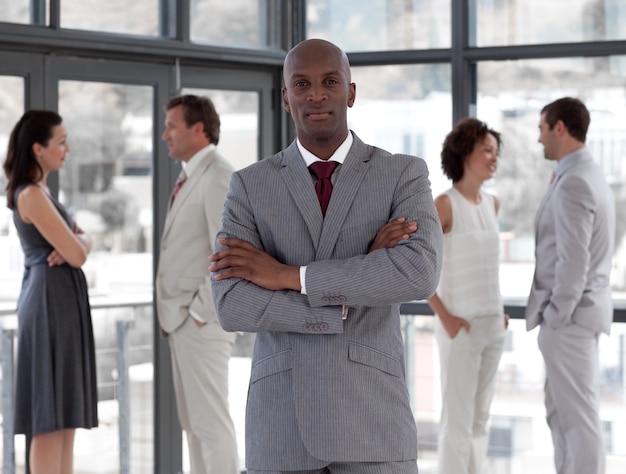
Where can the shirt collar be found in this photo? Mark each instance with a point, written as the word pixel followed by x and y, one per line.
pixel 192 164
pixel 564 162
pixel 339 156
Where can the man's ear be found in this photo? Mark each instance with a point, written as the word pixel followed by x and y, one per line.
pixel 351 94
pixel 198 128
pixel 286 100
pixel 560 128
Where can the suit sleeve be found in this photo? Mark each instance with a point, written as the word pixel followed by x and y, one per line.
pixel 214 189
pixel 408 272
pixel 574 218
pixel 244 306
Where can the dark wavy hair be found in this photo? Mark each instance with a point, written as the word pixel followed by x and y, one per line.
pixel 20 165
pixel 460 143
pixel 198 109
pixel 572 112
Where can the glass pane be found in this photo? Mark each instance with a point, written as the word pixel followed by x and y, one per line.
pixel 236 22
pixel 405 109
pixel 239 124
pixel 139 17
pixel 107 184
pixel 15 11
pixel 510 97
pixel 11 256
pixel 380 25
pixel 512 22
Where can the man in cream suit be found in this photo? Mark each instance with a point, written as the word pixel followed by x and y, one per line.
pixel 327 391
pixel 570 298
pixel 200 348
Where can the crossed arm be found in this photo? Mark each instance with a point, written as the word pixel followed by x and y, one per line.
pixel 241 259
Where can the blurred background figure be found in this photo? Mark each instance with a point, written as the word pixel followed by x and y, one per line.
pixel 470 323
pixel 570 298
pixel 56 372
pixel 200 348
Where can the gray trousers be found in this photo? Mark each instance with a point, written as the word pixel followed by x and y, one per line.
pixel 571 358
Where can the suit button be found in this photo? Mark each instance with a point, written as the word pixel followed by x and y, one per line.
pixel 307 327
pixel 326 299
pixel 342 299
pixel 324 327
pixel 318 326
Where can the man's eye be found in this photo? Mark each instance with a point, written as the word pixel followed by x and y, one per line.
pixel 300 84
pixel 331 81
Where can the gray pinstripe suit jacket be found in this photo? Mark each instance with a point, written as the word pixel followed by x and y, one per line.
pixel 323 389
pixel 574 234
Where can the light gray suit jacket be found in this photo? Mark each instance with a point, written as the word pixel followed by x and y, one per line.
pixel 574 234
pixel 183 279
pixel 324 389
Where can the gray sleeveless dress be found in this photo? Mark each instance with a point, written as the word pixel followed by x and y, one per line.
pixel 56 370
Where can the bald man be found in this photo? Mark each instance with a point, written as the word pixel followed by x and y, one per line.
pixel 321 283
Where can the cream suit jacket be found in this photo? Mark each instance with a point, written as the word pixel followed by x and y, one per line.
pixel 191 225
pixel 324 389
pixel 574 235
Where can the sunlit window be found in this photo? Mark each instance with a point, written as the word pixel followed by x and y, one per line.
pixel 236 22
pixel 512 22
pixel 139 17
pixel 380 25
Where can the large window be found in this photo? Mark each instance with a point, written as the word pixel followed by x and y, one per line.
pixel 404 109
pixel 236 22
pixel 511 22
pixel 139 17
pixel 510 97
pixel 379 25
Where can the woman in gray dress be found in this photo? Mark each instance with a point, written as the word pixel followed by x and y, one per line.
pixel 55 374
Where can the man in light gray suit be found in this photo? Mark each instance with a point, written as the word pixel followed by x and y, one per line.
pixel 200 348
pixel 322 291
pixel 570 298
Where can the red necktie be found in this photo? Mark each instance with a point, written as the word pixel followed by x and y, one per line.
pixel 182 177
pixel 323 187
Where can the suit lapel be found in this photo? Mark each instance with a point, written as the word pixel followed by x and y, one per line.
pixel 186 190
pixel 345 189
pixel 300 185
pixel 324 232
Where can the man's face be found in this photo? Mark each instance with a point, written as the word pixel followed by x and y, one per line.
pixel 318 92
pixel 548 139
pixel 180 138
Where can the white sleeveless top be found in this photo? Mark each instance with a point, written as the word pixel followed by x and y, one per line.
pixel 470 284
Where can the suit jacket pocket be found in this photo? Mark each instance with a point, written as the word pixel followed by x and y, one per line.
pixel 374 358
pixel 273 364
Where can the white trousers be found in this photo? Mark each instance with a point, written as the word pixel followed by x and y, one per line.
pixel 469 365
pixel 571 357
pixel 200 369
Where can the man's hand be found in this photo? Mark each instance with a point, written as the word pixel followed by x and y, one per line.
pixel 243 260
pixel 389 235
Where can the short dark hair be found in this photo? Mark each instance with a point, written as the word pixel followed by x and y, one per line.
pixel 198 109
pixel 460 143
pixel 572 112
pixel 21 165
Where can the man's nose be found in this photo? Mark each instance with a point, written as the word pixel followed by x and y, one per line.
pixel 317 93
